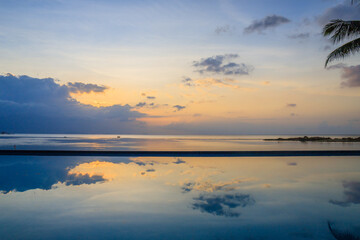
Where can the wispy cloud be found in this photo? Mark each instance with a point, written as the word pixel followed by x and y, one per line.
pixel 222 29
pixel 299 36
pixel 265 23
pixel 211 82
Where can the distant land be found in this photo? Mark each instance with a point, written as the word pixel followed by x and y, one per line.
pixel 317 139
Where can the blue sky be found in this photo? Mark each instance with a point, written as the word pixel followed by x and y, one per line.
pixel 137 49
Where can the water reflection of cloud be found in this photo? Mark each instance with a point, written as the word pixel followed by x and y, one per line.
pixel 25 173
pixel 209 186
pixel 351 192
pixel 222 205
pixel 79 179
pixel 179 161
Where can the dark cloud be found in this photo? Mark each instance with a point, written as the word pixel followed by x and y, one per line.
pixel 179 107
pixel 78 87
pixel 140 104
pixel 343 11
pixel 179 161
pixel 292 164
pixel 350 74
pixel 291 105
pixel 150 97
pixel 150 170
pixel 221 64
pixel 299 36
pixel 351 192
pixel 222 29
pixel 222 205
pixel 149 105
pixel 265 23
pixel 33 105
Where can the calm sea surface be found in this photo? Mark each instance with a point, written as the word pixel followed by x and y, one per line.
pixel 176 198
pixel 161 142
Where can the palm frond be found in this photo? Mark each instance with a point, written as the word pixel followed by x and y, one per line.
pixel 339 30
pixel 344 51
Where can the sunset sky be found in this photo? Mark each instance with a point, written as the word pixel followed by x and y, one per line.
pixel 175 67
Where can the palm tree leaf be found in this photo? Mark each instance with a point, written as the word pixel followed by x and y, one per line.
pixel 344 51
pixel 339 29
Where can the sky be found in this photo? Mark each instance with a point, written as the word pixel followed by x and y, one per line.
pixel 175 67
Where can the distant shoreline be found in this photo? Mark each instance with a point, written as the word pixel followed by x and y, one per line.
pixel 181 153
pixel 317 139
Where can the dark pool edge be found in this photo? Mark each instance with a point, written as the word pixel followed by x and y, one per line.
pixel 180 153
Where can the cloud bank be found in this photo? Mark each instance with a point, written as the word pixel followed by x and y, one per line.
pixel 34 105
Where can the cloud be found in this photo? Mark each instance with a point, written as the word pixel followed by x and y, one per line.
pixel 45 106
pixel 265 23
pixel 299 36
pixel 78 87
pixel 179 107
pixel 350 74
pixel 140 104
pixel 351 192
pixel 221 64
pixel 343 11
pixel 291 105
pixel 150 97
pixel 211 82
pixel 222 205
pixel 222 29
pixel 327 48
pixel 337 66
pixel 188 82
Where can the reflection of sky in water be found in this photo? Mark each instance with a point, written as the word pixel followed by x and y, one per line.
pixel 178 198
pixel 158 142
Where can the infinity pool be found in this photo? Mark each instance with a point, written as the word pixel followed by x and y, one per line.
pixel 178 198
